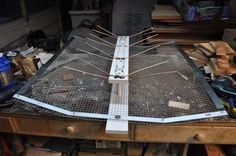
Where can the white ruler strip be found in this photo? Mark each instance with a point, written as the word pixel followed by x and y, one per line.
pixel 120 87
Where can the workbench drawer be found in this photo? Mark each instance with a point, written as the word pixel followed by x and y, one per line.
pixel 32 126
pixel 5 125
pixel 83 130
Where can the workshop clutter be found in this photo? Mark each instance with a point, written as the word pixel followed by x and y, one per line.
pixel 217 61
pixel 6 79
pixel 47 146
pixel 168 23
pixel 25 64
pixel 218 56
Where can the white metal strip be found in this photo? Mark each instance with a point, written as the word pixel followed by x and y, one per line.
pixel 126 118
pixel 120 63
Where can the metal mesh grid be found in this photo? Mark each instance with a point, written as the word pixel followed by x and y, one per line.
pixel 148 95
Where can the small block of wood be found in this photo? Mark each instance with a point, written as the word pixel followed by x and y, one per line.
pixel 231 70
pixel 223 59
pixel 179 105
pixel 67 76
pixel 208 47
pixel 222 48
pixel 224 65
pixel 215 67
pixel 165 12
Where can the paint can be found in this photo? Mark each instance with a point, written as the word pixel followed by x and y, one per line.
pixel 6 78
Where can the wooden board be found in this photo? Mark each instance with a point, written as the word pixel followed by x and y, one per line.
pixel 165 12
pixel 185 30
pixel 222 48
pixel 215 68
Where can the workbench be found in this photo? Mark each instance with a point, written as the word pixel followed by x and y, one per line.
pixel 18 120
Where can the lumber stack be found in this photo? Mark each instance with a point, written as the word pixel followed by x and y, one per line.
pixel 168 23
pixel 218 55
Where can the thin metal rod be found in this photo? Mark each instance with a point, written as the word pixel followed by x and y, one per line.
pixel 143 40
pixel 98 50
pixel 102 33
pixel 150 33
pixel 93 54
pixel 140 32
pixel 163 73
pixel 157 64
pixel 93 66
pixel 102 40
pixel 144 51
pixel 106 31
pixel 84 72
pixel 149 42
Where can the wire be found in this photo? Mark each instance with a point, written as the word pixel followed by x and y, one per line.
pixel 93 54
pixel 102 40
pixel 140 32
pixel 98 49
pixel 143 40
pixel 157 64
pixel 106 31
pixel 93 65
pixel 84 72
pixel 99 32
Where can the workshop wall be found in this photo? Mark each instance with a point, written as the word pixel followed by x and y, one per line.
pixel 233 6
pixel 48 20
pixel 128 18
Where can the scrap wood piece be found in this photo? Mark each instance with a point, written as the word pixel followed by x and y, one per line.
pixel 196 55
pixel 165 12
pixel 179 105
pixel 231 70
pixel 213 150
pixel 215 67
pixel 67 76
pixel 207 46
pixel 224 65
pixel 223 59
pixel 222 48
pixel 203 50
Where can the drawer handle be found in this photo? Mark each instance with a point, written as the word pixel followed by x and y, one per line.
pixel 199 137
pixel 70 130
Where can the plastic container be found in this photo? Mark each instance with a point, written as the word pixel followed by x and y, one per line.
pixel 6 79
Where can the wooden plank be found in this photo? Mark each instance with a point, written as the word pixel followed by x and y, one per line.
pixel 179 41
pixel 222 48
pixel 215 67
pixel 186 30
pixel 165 12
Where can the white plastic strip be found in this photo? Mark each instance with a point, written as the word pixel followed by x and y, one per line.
pixel 126 118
